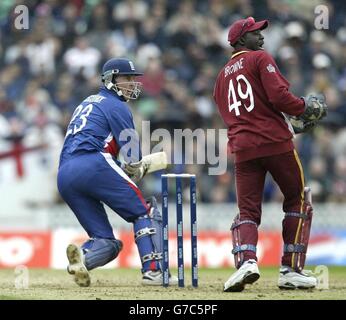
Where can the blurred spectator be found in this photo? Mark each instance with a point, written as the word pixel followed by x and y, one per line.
pixel 7 106
pixel 37 103
pixel 153 78
pixel 68 24
pixel 126 39
pixel 82 59
pixel 41 52
pixel 130 10
pixel 151 31
pixel 317 179
pixel 289 61
pixel 338 193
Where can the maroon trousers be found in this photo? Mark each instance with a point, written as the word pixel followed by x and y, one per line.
pixel 287 172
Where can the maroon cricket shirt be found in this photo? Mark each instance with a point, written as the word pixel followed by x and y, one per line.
pixel 251 95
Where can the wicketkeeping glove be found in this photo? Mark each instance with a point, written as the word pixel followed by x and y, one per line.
pixel 301 126
pixel 315 107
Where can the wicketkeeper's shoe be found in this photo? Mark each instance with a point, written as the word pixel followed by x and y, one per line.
pixel 248 273
pixel 76 266
pixel 289 279
pixel 155 278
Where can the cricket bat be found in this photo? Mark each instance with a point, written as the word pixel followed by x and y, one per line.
pixel 155 161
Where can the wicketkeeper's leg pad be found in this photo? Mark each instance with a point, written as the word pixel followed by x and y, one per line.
pixel 98 252
pixel 295 251
pixel 240 248
pixel 148 236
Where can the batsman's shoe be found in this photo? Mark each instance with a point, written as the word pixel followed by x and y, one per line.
pixel 289 279
pixel 155 278
pixel 248 273
pixel 76 266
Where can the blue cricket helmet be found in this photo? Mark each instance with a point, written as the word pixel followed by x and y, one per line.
pixel 120 66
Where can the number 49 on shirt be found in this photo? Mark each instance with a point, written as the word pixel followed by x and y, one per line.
pixel 233 103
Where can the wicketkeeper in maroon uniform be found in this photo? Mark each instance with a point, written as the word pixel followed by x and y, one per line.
pixel 262 115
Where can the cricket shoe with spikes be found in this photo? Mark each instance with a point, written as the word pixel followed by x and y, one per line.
pixel 76 266
pixel 290 279
pixel 155 278
pixel 248 273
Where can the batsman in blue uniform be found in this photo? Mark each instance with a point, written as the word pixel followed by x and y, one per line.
pixel 93 172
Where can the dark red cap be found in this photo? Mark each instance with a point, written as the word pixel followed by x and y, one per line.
pixel 240 27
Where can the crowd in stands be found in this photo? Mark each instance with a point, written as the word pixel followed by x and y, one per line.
pixel 48 69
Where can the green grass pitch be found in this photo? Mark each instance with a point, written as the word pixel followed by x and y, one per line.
pixel 123 284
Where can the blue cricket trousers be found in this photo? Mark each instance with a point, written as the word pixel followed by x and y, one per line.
pixel 87 180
